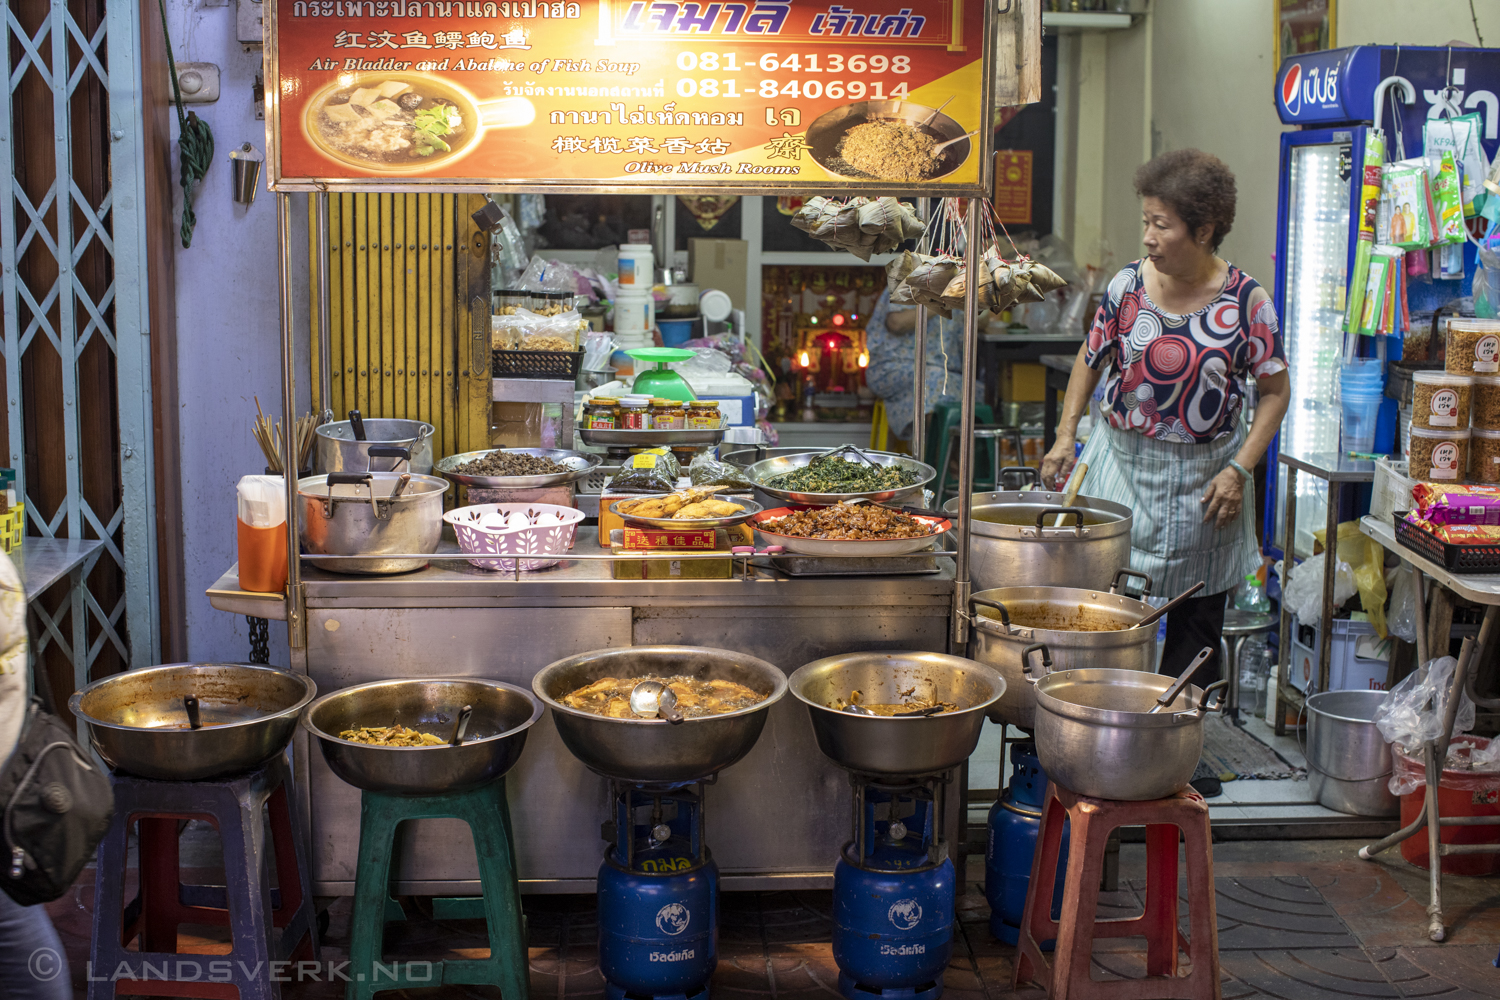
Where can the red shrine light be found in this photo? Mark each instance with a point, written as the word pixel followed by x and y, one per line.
pixel 838 319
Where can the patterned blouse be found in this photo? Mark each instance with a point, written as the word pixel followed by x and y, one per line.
pixel 1181 378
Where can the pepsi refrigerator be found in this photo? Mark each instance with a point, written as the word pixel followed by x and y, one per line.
pixel 1331 97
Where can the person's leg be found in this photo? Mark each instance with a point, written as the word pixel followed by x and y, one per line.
pixel 1198 622
pixel 33 965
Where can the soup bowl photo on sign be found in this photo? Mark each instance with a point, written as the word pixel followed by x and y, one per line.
pixel 887 140
pixel 404 122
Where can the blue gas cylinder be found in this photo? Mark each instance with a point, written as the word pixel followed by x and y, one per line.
pixel 892 930
pixel 1015 820
pixel 658 932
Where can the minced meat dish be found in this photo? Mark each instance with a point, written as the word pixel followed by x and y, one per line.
pixel 844 521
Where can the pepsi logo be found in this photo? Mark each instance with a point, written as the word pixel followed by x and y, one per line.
pixel 1291 89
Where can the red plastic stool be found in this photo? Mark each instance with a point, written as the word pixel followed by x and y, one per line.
pixel 1092 821
pixel 268 925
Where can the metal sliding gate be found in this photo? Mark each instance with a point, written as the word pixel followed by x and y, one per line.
pixel 77 388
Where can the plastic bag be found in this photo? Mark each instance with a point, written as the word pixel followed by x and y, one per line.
pixel 549 276
pixel 645 473
pixel 1412 712
pixel 529 331
pixel 706 363
pixel 1471 766
pixel 706 470
pixel 1365 559
pixel 1304 589
pixel 261 500
pixel 1401 619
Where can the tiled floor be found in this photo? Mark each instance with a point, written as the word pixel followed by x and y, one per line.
pixel 1297 920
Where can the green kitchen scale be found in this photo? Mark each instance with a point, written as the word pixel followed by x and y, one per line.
pixel 661 381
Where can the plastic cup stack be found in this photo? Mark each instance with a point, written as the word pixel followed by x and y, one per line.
pixel 1361 387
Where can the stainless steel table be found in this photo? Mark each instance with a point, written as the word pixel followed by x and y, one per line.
pixel 995 348
pixel 1336 470
pixel 776 819
pixel 43 562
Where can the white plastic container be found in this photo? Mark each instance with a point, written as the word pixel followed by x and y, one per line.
pixel 637 266
pixel 715 305
pixel 634 314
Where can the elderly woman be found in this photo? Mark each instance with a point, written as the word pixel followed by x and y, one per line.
pixel 1178 335
pixel 891 337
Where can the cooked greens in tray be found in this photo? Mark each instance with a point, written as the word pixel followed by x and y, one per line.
pixel 832 474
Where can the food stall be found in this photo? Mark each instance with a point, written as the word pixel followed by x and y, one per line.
pixel 611 97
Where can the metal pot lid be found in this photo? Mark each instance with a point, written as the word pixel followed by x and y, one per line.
pixel 579 466
pixel 378 430
pixel 1119 698
pixel 381 484
pixel 1043 614
pixel 1014 514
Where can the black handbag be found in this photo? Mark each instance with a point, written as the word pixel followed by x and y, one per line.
pixel 57 807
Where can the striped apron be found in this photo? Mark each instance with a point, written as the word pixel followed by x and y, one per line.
pixel 1162 482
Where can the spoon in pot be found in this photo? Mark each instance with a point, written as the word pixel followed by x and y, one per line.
pixel 1181 682
pixel 195 721
pixel 461 726
pixel 654 700
pixel 1155 616
pixel 854 709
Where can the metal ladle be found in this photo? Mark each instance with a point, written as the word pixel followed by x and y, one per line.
pixel 1181 682
pixel 654 700
pixel 461 726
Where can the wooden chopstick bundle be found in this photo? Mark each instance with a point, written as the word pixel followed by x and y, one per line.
pixel 268 436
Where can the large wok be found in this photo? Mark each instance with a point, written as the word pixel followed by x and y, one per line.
pixel 653 750
pixel 138 721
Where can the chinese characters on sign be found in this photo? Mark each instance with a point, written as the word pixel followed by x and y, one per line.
pixel 1013 186
pixel 523 93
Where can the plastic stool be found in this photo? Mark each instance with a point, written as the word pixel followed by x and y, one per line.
pixel 488 816
pixel 1239 625
pixel 267 924
pixel 1092 821
pixel 985 467
pixel 945 415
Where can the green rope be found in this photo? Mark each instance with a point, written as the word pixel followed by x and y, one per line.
pixel 195 141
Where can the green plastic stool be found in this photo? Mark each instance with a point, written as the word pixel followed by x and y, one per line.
pixel 942 417
pixel 488 816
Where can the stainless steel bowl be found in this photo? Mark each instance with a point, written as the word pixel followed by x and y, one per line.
pixel 751 508
pixel 496 732
pixel 825 134
pixel 653 750
pixel 744 457
pixel 1095 736
pixel 772 467
pixel 579 466
pixel 876 744
pixel 138 723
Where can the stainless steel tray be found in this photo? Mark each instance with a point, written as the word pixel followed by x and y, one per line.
pixel 579 465
pixel 692 524
pixel 650 439
pixel 795 565
pixel 772 467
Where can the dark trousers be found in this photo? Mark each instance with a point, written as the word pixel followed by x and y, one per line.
pixel 1196 623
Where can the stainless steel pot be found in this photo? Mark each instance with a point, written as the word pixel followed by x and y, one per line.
pixel 1348 761
pixel 1095 737
pixel 339 452
pixel 893 745
pixel 653 749
pixel 1008 619
pixel 138 721
pixel 1013 541
pixel 351 514
pixel 492 743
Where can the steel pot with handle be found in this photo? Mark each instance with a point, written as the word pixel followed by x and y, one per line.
pixel 1014 540
pixel 1082 628
pixel 365 514
pixel 1095 736
pixel 341 450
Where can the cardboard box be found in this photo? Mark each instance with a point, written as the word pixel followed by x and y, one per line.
pixel 12 527
pixel 721 264
pixel 1023 382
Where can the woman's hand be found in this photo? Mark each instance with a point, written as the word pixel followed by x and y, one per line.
pixel 1224 497
pixel 1058 463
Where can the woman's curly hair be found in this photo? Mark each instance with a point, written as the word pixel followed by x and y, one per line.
pixel 1198 186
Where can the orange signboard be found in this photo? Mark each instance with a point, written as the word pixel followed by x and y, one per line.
pixel 757 96
pixel 1013 186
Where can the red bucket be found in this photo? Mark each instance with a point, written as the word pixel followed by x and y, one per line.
pixel 1460 793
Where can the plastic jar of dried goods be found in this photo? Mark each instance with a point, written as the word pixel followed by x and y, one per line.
pixel 635 415
pixel 1484 456
pixel 600 414
pixel 703 415
pixel 1440 400
pixel 1473 346
pixel 1486 410
pixel 667 415
pixel 1439 455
